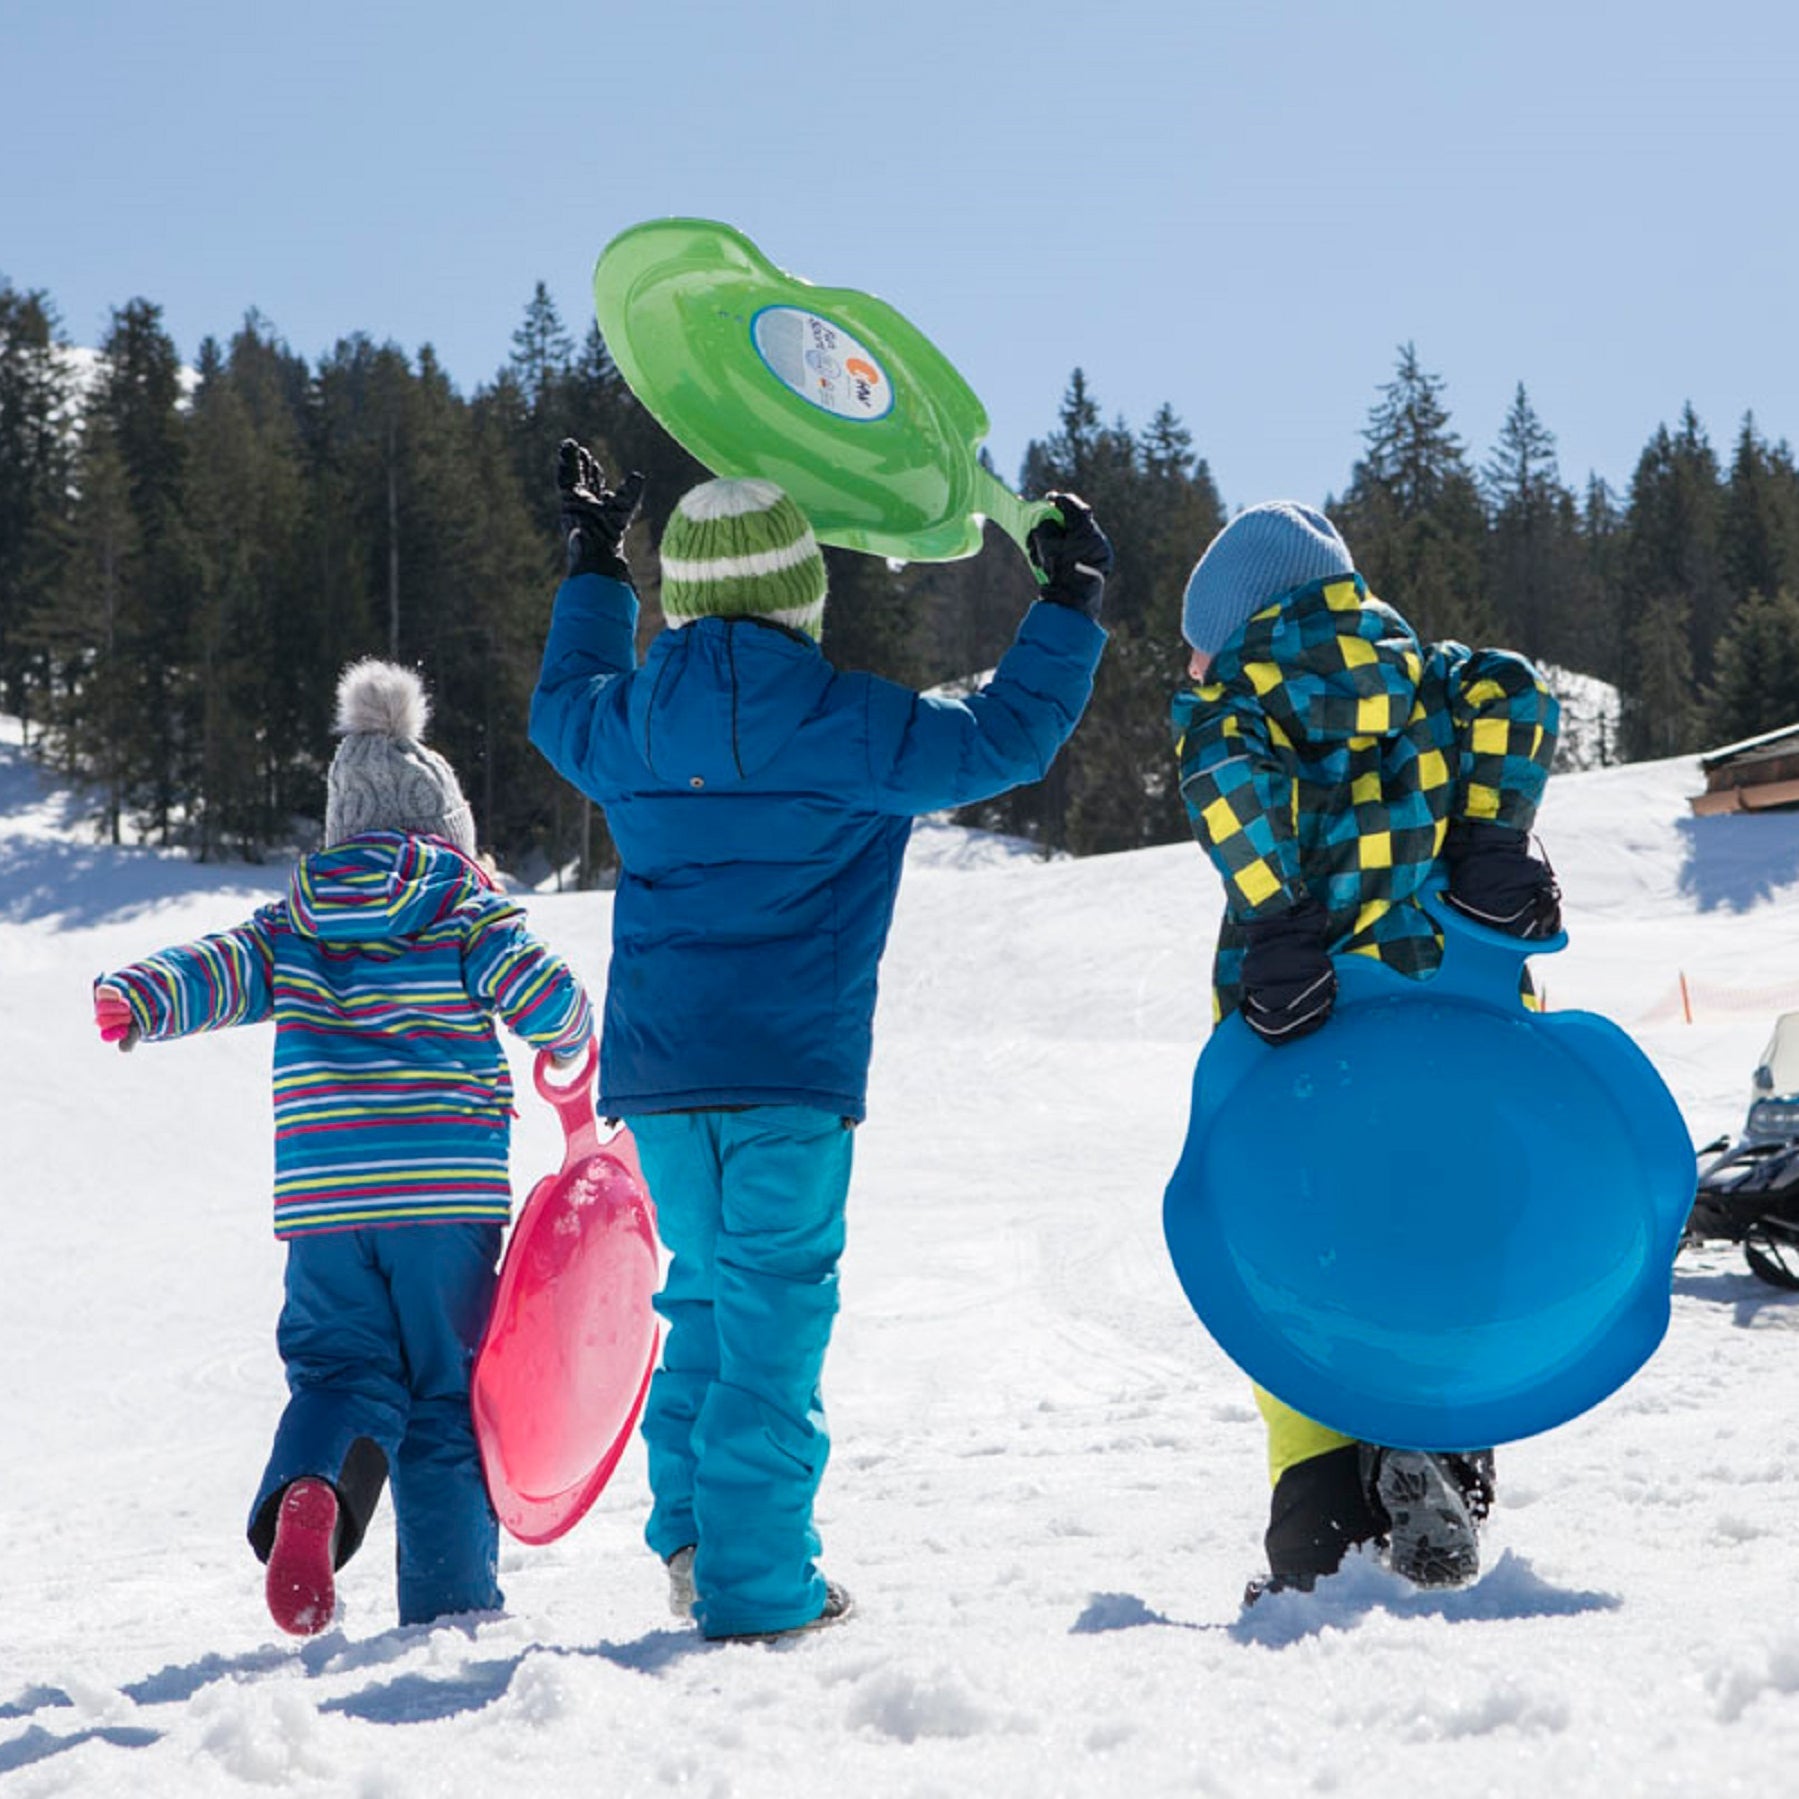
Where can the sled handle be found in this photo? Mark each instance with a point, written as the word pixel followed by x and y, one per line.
pixel 1017 518
pixel 572 1101
pixel 1479 961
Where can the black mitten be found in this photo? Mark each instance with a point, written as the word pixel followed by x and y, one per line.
pixel 594 516
pixel 1288 983
pixel 1075 556
pixel 1495 879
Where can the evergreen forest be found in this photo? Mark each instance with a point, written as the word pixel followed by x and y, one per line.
pixel 190 554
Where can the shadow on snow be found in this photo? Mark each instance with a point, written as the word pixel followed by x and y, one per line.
pixel 38 1744
pixel 1728 863
pixel 409 1698
pixel 88 884
pixel 1746 1294
pixel 1511 1589
pixel 66 874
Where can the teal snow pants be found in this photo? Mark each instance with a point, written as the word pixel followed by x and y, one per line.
pixel 750 1206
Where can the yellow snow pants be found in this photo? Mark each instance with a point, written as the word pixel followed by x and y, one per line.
pixel 1292 1438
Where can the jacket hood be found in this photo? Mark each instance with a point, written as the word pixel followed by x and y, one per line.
pixel 717 700
pixel 380 886
pixel 1326 662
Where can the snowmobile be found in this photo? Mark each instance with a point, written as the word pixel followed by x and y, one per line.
pixel 1749 1192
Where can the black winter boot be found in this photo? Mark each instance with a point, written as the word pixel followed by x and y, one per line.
pixel 1320 1511
pixel 1431 1506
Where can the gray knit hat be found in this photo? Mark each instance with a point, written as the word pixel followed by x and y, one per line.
pixel 382 777
pixel 1261 554
pixel 742 549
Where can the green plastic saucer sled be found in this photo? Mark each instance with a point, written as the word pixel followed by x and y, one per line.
pixel 827 391
pixel 1441 1221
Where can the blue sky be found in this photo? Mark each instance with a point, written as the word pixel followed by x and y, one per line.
pixel 1240 209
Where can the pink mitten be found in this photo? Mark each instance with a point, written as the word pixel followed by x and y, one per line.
pixel 112 1013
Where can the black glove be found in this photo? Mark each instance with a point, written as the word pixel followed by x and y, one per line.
pixel 1288 983
pixel 1075 556
pixel 1495 879
pixel 594 517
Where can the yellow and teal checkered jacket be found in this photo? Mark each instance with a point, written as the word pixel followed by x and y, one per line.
pixel 1328 753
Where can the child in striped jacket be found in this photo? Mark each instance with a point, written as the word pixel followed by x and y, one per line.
pixel 383 969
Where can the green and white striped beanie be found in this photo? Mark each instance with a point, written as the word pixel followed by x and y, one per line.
pixel 742 549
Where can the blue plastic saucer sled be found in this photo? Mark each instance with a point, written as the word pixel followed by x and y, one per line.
pixel 1442 1221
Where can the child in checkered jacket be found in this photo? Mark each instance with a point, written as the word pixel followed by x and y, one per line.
pixel 1331 765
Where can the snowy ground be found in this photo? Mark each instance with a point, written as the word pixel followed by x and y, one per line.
pixel 1048 1486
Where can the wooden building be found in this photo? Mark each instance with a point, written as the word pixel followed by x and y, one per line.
pixel 1760 774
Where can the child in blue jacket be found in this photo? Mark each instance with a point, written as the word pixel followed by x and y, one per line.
pixel 761 801
pixel 383 969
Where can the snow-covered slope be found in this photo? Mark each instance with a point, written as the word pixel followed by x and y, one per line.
pixel 1047 1488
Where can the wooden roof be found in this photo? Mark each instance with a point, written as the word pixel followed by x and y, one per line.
pixel 1760 774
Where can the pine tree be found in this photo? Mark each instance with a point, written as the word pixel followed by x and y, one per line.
pixel 296 688
pixel 1756 688
pixel 138 399
pixel 515 571
pixel 1412 513
pixel 1068 459
pixel 542 351
pixel 1659 696
pixel 1124 792
pixel 1412 453
pixel 1670 571
pixel 1758 526
pixel 1533 550
pixel 531 396
pixel 358 439
pixel 968 610
pixel 37 452
pixel 244 499
pixel 621 431
pixel 1184 514
pixel 476 604
pixel 1084 457
pixel 85 633
pixel 1522 470
pixel 1112 787
pixel 871 618
pixel 1672 545
pixel 1598 608
pixel 588 401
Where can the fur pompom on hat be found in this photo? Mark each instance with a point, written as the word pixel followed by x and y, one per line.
pixel 383 778
pixel 1261 554
pixel 742 549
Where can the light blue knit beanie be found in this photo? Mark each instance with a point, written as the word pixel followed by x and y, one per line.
pixel 1262 553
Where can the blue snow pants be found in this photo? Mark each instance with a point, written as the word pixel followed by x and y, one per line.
pixel 378 1333
pixel 750 1206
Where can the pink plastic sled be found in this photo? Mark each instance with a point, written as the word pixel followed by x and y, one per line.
pixel 562 1371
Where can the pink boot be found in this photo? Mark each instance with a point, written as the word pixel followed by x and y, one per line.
pixel 302 1592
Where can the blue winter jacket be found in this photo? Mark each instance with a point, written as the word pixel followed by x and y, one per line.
pixel 761 801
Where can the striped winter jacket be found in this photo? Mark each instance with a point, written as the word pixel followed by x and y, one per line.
pixel 1328 753
pixel 383 969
